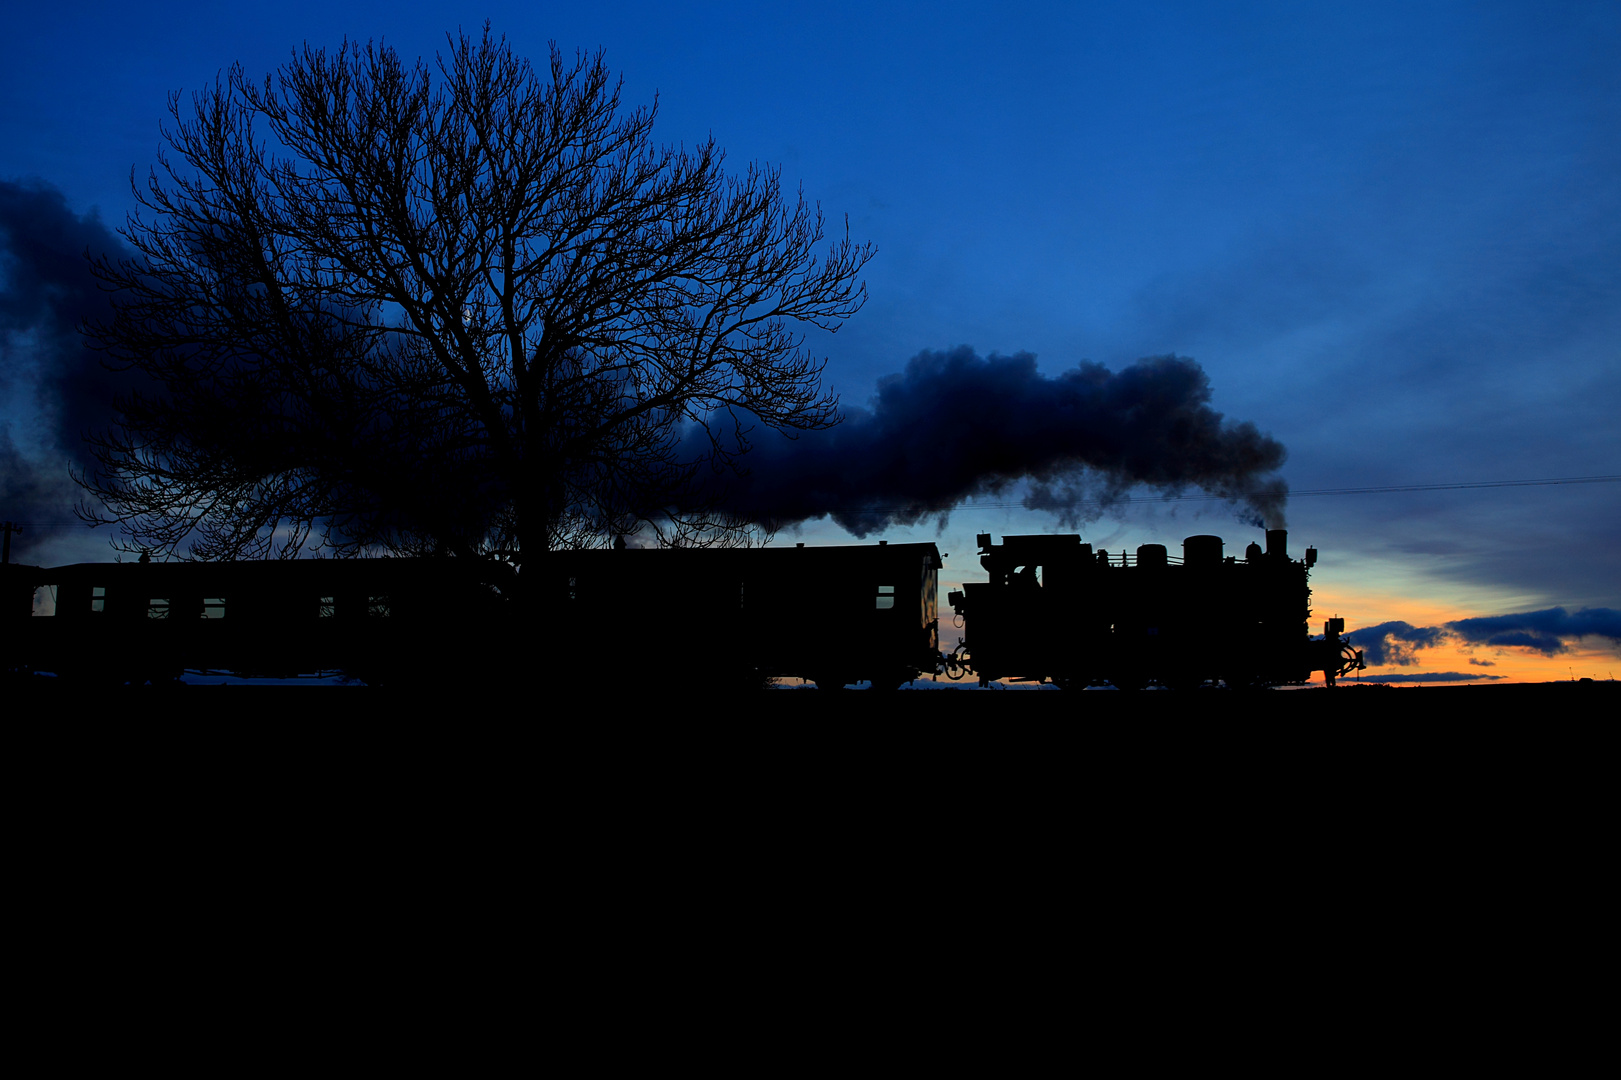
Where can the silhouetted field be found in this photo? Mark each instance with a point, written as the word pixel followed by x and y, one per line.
pixel 1308 790
pixel 541 701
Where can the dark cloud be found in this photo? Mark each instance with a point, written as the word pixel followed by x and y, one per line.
pixel 1483 663
pixel 954 425
pixel 1395 642
pixel 46 291
pixel 1549 631
pixel 1428 676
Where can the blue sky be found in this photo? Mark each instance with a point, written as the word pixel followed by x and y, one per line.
pixel 1390 234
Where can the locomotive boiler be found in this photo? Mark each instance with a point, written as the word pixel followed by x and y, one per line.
pixel 1056 610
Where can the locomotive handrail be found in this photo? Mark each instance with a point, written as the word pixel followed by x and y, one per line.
pixel 1129 558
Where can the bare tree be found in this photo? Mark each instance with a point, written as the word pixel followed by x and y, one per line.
pixel 471 309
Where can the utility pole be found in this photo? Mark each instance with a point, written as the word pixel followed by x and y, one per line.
pixel 7 527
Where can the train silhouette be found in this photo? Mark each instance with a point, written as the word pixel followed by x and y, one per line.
pixel 1053 610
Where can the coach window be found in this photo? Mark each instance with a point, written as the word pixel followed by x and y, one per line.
pixel 157 608
pixel 98 599
pixel 886 597
pixel 377 607
pixel 327 607
pixel 214 607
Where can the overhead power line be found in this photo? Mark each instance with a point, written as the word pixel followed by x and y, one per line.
pixel 1396 488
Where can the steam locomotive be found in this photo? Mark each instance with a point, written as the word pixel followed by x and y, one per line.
pixel 1055 610
pixel 1052 610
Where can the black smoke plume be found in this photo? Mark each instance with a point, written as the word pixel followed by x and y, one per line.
pixel 46 290
pixel 952 425
pixel 955 425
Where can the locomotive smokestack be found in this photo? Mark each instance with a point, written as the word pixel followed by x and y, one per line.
pixel 954 425
pixel 1277 543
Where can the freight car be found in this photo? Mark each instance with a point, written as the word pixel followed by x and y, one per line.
pixel 1055 610
pixel 736 617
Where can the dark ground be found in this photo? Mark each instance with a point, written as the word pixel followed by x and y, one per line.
pixel 1338 812
pixel 1282 775
pixel 531 700
pixel 1345 865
